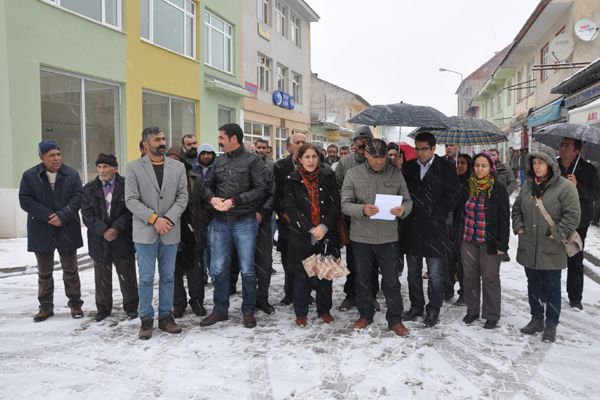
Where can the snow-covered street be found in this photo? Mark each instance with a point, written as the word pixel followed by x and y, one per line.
pixel 68 358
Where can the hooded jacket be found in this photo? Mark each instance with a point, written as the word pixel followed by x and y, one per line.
pixel 540 246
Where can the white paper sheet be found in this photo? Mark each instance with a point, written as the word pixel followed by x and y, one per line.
pixel 385 202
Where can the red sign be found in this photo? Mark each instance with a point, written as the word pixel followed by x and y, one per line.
pixel 252 88
pixel 592 116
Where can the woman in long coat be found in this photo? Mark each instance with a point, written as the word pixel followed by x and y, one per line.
pixel 312 201
pixel 486 227
pixel 541 250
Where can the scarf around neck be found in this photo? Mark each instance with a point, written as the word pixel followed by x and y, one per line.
pixel 311 181
pixel 483 185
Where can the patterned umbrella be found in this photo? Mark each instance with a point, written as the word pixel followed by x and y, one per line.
pixel 553 135
pixel 465 131
pixel 400 114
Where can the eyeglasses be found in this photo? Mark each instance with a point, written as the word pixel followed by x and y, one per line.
pixel 422 149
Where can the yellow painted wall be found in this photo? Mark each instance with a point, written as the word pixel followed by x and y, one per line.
pixel 156 69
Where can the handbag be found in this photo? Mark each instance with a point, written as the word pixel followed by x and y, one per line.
pixel 573 243
pixel 343 230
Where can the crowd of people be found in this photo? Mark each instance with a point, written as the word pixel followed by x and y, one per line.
pixel 194 214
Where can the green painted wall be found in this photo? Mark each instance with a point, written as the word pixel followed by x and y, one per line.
pixel 210 99
pixel 38 34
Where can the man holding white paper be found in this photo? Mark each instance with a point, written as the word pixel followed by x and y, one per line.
pixel 374 240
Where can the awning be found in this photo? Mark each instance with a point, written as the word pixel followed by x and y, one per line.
pixel 588 114
pixel 548 113
pixel 212 82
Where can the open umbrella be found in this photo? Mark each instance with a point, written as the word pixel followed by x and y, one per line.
pixel 553 135
pixel 400 114
pixel 409 151
pixel 465 131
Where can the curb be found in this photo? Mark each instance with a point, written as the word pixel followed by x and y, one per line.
pixel 83 262
pixel 592 271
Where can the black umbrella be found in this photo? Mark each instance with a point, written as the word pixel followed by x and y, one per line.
pixel 590 136
pixel 400 114
pixel 465 131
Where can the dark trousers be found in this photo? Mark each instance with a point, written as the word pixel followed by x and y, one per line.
pixel 435 284
pixel 195 282
pixel 68 262
pixel 482 270
pixel 288 277
pixel 575 272
pixel 368 257
pixel 263 262
pixel 303 285
pixel 350 285
pixel 125 267
pixel 544 286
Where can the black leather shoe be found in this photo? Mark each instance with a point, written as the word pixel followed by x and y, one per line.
pixel 198 308
pixel 469 318
pixel 549 335
pixel 347 304
pixel 535 325
pixel 576 304
pixel 249 321
pixel 100 315
pixel 178 311
pixel 132 315
pixel 412 314
pixel 265 307
pixel 286 301
pixel 490 324
pixel 431 319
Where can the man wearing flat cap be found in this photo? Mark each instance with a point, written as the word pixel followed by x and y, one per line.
pixel 374 241
pixel 50 193
pixel 109 237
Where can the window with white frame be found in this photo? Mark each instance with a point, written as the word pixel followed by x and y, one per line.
pixel 226 115
pixel 530 77
pixel 262 11
pixel 282 78
pixel 295 29
pixel 170 24
pixel 264 68
pixel 281 135
pixel 107 12
pixel 83 115
pixel 297 87
pixel 509 92
pixel 174 115
pixel 218 43
pixel 256 130
pixel 545 57
pixel 281 18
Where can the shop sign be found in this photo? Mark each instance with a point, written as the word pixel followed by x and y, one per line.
pixel 284 100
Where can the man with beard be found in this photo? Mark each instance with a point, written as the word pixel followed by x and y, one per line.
pixel 281 170
pixel 189 145
pixel 156 194
pixel 206 159
pixel 332 155
pixel 261 146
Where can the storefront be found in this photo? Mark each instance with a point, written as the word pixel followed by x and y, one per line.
pixel 582 92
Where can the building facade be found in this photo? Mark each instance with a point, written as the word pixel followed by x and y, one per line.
pixel 276 69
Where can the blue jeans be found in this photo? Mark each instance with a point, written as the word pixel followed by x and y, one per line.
pixel 435 288
pixel 147 255
pixel 222 235
pixel 543 286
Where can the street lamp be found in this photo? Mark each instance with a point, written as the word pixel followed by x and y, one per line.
pixel 454 72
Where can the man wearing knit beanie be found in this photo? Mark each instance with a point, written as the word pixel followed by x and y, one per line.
pixel 50 193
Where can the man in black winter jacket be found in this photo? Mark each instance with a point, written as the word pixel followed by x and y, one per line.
pixel 109 237
pixel 585 177
pixel 235 191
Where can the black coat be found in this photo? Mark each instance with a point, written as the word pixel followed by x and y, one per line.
pixel 281 170
pixel 588 188
pixel 97 220
pixel 39 201
pixel 297 206
pixel 426 229
pixel 497 220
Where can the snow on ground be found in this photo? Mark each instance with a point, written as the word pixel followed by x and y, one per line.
pixel 67 358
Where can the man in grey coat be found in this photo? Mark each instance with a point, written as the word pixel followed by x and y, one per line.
pixel 374 240
pixel 156 194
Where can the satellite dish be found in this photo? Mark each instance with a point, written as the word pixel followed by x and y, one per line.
pixel 561 47
pixel 586 29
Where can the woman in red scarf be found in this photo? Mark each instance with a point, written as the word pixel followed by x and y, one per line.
pixel 485 233
pixel 312 201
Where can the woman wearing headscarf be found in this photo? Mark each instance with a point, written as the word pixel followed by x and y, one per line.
pixel 485 234
pixel 312 201
pixel 541 250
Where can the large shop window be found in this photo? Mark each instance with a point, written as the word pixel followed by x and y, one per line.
pixel 107 12
pixel 218 43
pixel 175 116
pixel 170 24
pixel 83 116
